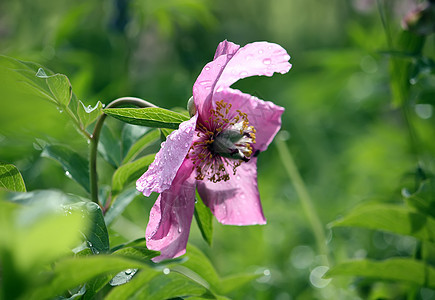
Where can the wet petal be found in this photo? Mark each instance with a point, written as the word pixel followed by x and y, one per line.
pixel 226 47
pixel 259 58
pixel 236 201
pixel 205 84
pixel 263 115
pixel 162 171
pixel 171 216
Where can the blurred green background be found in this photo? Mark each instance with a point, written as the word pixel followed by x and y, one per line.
pixel 350 143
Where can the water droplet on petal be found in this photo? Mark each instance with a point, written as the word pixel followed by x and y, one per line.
pixel 204 82
pixel 179 229
pixel 267 61
pixel 244 73
pixel 260 51
pixel 207 68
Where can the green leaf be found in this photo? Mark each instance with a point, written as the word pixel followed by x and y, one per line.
pixel 197 262
pixel 164 132
pixel 134 287
pixel 392 218
pixel 123 277
pixel 144 142
pixel 150 117
pixel 120 202
pixel 97 236
pixel 59 86
pixel 409 44
pixel 130 172
pixel 424 198
pixel 10 178
pixel 395 269
pixel 109 147
pixel 27 71
pixel 130 135
pixel 88 114
pixel 74 165
pixel 155 286
pixel 140 253
pixel 46 201
pixel 38 239
pixel 93 286
pixel 204 219
pixel 71 272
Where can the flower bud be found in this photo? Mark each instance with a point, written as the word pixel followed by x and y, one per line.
pixel 421 20
pixel 191 107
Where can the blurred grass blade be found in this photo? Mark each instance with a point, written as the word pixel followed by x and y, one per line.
pixel 10 178
pixel 396 269
pixel 130 172
pixel 145 141
pixel 392 218
pixel 204 219
pixel 150 117
pixel 73 164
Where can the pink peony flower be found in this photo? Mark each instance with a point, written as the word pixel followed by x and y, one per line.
pixel 214 151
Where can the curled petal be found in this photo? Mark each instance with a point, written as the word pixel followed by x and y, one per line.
pixel 171 216
pixel 205 84
pixel 236 201
pixel 162 171
pixel 263 115
pixel 259 58
pixel 226 47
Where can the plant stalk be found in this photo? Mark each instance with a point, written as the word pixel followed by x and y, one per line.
pixel 96 136
pixel 304 196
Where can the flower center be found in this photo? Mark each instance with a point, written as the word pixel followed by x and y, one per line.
pixel 222 143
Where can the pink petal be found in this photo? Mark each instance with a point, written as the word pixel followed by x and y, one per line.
pixel 204 85
pixel 170 218
pixel 226 47
pixel 263 115
pixel 259 58
pixel 168 160
pixel 236 201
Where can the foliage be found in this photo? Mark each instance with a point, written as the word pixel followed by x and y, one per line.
pixel 359 123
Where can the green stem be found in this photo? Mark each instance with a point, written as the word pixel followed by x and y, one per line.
pixel 96 136
pixel 304 196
